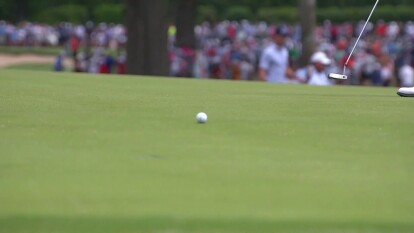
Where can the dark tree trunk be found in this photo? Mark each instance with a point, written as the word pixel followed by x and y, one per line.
pixel 185 38
pixel 185 22
pixel 147 37
pixel 307 17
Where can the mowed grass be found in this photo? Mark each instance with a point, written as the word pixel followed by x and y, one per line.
pixel 86 153
pixel 32 67
pixel 19 50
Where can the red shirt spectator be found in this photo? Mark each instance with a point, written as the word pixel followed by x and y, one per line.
pixel 103 68
pixel 74 44
pixel 381 29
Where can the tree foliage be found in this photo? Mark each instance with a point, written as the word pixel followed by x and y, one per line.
pixel 112 10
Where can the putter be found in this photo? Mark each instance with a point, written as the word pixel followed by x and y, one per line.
pixel 343 76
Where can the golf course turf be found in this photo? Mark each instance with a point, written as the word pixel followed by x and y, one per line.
pixel 90 153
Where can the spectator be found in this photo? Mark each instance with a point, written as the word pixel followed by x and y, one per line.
pixel 274 63
pixel 3 32
pixel 58 65
pixel 246 69
pixel 370 69
pixel 109 62
pixel 387 70
pixel 316 74
pixel 81 63
pixel 121 63
pixel 406 75
pixel 74 49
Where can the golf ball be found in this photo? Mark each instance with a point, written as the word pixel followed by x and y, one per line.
pixel 201 117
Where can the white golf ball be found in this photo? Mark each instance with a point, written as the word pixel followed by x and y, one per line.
pixel 201 117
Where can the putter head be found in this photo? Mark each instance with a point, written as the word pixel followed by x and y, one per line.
pixel 337 76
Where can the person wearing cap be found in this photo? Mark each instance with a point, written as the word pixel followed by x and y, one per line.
pixel 315 74
pixel 274 62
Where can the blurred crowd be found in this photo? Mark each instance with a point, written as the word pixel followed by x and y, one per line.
pixel 92 48
pixel 35 35
pixel 232 50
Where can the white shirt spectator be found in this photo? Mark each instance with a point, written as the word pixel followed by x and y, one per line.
pixel 246 70
pixel 315 78
pixel 316 73
pixel 406 75
pixel 409 29
pixel 275 60
pixel 393 30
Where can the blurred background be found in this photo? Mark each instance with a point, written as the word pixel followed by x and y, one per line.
pixel 216 39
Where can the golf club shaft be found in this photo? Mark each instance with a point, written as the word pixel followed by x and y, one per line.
pixel 359 37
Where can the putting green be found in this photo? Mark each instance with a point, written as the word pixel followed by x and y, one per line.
pixel 89 153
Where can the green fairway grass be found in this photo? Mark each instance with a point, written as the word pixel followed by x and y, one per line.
pixel 46 51
pixel 32 67
pixel 90 153
pixel 53 51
